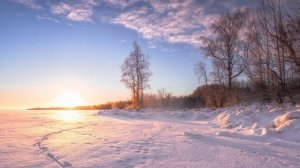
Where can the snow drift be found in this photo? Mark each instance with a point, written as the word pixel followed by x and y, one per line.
pixel 263 120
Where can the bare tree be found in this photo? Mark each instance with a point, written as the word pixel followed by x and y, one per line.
pixel 290 35
pixel 136 74
pixel 218 74
pixel 164 97
pixel 201 72
pixel 227 44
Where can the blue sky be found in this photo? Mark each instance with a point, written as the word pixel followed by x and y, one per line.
pixel 49 47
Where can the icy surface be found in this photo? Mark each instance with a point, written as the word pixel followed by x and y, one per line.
pixel 151 138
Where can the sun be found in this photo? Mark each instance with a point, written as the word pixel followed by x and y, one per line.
pixel 69 99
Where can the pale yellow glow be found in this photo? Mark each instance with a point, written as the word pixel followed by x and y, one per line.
pixel 69 99
pixel 69 115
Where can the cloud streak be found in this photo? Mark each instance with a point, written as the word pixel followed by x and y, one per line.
pixel 29 3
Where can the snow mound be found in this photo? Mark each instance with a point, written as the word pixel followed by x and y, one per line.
pixel 288 126
pixel 263 120
pixel 285 120
pixel 246 116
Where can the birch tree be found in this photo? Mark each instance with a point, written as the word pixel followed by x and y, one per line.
pixel 135 74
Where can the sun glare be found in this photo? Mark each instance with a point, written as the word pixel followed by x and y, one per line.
pixel 69 115
pixel 69 99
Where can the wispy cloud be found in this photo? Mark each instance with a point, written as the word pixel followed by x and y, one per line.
pixel 29 3
pixel 61 8
pixel 121 3
pixel 123 41
pixel 91 2
pixel 41 17
pixel 173 21
pixel 80 12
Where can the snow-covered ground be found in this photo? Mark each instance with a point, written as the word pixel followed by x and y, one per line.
pixel 239 136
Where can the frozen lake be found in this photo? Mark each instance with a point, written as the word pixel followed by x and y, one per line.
pixel 86 139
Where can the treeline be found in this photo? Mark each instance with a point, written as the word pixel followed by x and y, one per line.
pixel 164 99
pixel 261 46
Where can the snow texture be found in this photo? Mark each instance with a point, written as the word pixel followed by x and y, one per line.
pixel 239 136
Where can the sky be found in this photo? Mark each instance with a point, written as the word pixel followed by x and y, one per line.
pixel 50 48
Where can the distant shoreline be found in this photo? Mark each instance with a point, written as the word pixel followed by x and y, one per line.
pixel 68 108
pixel 105 106
pixel 50 108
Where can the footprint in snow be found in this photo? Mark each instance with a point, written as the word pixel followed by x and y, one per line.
pixel 67 164
pixel 44 149
pixel 137 151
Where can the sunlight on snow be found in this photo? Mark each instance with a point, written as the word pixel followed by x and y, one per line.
pixel 69 115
